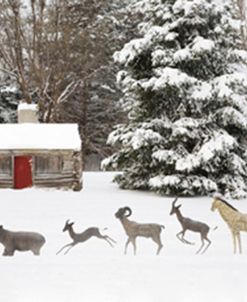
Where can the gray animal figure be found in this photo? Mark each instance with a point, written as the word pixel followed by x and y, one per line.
pixel 82 237
pixel 134 229
pixel 192 225
pixel 20 241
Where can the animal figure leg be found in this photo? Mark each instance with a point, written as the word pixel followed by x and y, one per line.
pixel 200 247
pixel 203 243
pixel 209 243
pixel 239 242
pixel 126 246
pixel 66 245
pixel 7 252
pixel 72 244
pixel 36 252
pixel 110 239
pixel 234 242
pixel 107 239
pixel 180 236
pixel 133 241
pixel 160 245
pixel 36 249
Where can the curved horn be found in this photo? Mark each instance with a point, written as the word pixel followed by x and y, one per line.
pixel 127 209
pixel 174 201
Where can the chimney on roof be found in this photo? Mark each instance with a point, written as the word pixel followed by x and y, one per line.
pixel 27 113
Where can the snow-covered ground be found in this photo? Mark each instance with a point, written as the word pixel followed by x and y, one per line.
pixel 93 271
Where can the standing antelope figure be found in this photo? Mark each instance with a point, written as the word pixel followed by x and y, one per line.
pixel 84 236
pixel 134 229
pixel 235 220
pixel 192 225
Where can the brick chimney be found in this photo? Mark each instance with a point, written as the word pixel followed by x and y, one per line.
pixel 27 113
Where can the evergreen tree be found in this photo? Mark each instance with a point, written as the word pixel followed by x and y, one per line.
pixel 185 87
pixel 9 98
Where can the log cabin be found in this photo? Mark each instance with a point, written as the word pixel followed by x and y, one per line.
pixel 36 154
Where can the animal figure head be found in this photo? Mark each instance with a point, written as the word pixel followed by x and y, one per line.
pixel 174 208
pixel 123 212
pixel 216 203
pixel 68 225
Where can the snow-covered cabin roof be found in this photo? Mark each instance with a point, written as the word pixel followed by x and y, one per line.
pixel 39 136
pixel 25 106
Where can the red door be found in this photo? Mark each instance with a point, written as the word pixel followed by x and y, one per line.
pixel 23 172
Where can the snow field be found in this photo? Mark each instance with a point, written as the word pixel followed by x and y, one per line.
pixel 93 271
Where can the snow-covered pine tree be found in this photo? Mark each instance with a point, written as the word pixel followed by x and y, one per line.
pixel 9 99
pixel 184 87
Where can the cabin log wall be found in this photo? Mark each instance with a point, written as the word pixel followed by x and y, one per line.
pixel 69 177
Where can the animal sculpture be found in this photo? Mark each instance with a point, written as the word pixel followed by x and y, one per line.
pixel 20 241
pixel 236 221
pixel 134 229
pixel 191 225
pixel 82 237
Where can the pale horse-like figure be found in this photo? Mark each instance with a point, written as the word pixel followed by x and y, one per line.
pixel 235 220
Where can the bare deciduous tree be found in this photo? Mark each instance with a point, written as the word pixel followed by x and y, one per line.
pixel 30 52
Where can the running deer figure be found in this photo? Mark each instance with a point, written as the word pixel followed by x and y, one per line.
pixel 84 236
pixel 134 229
pixel 235 220
pixel 192 225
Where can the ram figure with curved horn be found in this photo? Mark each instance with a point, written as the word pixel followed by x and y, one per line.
pixel 134 229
